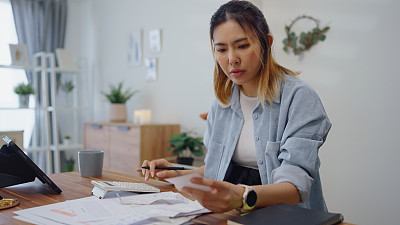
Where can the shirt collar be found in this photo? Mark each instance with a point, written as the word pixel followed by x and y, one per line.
pixel 235 104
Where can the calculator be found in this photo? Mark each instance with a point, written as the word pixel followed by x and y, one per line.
pixel 102 187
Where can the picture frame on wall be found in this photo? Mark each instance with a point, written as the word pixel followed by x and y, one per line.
pixel 151 69
pixel 134 55
pixel 19 55
pixel 155 40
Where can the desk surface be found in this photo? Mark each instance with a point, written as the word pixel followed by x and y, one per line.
pixel 73 186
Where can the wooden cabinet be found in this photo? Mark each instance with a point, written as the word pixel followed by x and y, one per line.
pixel 126 145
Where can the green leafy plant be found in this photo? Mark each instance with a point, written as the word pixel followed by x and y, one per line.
pixel 67 87
pixel 179 144
pixel 69 165
pixel 306 39
pixel 116 94
pixel 24 89
pixel 67 140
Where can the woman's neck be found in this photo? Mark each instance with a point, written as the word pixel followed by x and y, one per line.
pixel 249 90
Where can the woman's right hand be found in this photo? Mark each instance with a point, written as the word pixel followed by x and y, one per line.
pixel 161 174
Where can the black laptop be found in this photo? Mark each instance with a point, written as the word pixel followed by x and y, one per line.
pixel 17 168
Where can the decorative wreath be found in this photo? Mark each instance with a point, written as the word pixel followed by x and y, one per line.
pixel 306 40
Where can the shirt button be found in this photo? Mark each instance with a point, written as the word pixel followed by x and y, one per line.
pixel 257 138
pixel 255 116
pixel 260 161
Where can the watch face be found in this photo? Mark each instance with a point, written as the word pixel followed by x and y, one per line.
pixel 251 198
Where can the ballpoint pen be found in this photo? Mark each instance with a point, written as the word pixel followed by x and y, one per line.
pixel 165 168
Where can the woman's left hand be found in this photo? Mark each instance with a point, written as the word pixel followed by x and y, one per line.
pixel 223 196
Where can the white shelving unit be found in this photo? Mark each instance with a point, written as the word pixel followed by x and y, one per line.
pixel 56 119
pixel 73 113
pixel 39 142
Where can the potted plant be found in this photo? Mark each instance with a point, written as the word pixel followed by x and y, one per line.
pixel 69 164
pixel 185 147
pixel 67 87
pixel 24 90
pixel 67 140
pixel 118 98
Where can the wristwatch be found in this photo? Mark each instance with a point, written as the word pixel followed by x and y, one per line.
pixel 249 198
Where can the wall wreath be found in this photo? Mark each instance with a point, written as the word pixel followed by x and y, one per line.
pixel 306 39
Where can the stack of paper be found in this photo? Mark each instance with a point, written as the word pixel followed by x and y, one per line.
pixel 131 208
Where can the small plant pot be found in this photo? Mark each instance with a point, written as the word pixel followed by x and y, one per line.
pixel 23 101
pixel 185 161
pixel 66 141
pixel 117 113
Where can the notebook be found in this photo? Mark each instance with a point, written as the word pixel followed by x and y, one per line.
pixel 283 214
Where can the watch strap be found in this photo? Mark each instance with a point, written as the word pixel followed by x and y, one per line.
pixel 245 207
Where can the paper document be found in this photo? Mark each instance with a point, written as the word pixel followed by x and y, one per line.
pixel 147 199
pixel 184 181
pixel 160 208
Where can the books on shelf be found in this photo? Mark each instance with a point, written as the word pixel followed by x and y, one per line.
pixel 283 214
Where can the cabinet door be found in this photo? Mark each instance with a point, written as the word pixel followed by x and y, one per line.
pixel 154 140
pixel 97 138
pixel 124 146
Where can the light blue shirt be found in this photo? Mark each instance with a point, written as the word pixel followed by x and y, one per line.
pixel 287 136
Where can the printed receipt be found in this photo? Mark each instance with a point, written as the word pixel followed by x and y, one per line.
pixel 184 181
pixel 148 199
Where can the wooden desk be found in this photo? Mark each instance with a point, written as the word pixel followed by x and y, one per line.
pixel 73 186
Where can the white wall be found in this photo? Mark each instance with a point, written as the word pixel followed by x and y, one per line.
pixel 354 71
pixel 183 89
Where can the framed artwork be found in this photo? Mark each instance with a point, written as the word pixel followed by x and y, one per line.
pixel 65 59
pixel 151 69
pixel 134 48
pixel 155 40
pixel 19 55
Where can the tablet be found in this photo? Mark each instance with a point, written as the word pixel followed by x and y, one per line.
pixel 17 168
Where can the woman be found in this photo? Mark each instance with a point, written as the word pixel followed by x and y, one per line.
pixel 264 129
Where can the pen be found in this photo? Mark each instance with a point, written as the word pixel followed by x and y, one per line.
pixel 165 168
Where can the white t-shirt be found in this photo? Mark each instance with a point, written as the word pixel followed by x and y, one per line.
pixel 245 152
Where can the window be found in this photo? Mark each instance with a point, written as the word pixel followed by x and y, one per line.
pixel 10 118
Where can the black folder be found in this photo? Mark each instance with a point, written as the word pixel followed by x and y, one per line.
pixel 17 168
pixel 283 214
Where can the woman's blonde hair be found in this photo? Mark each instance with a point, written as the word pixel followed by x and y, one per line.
pixel 251 19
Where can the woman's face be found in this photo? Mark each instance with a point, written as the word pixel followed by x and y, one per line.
pixel 238 59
